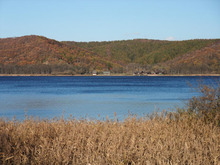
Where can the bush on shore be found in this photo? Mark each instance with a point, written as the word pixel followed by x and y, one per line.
pixel 187 137
pixel 206 106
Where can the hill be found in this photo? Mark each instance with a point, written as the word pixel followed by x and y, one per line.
pixel 160 56
pixel 38 54
pixel 202 61
pixel 143 51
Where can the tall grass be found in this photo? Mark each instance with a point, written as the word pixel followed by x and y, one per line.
pixel 170 138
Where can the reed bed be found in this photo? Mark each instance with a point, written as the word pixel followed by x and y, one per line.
pixel 147 140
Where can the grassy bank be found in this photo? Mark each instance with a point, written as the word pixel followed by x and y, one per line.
pixel 190 136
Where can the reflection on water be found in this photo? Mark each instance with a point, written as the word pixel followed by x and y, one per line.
pixel 93 96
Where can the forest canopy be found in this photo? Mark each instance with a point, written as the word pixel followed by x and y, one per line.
pixel 38 54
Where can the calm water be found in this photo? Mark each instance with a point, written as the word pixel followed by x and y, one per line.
pixel 47 97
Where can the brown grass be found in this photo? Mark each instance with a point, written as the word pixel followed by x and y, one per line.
pixel 148 140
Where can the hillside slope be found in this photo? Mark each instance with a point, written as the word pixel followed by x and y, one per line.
pixel 38 50
pixel 143 51
pixel 205 60
pixel 38 54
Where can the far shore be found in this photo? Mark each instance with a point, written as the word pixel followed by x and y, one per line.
pixel 109 75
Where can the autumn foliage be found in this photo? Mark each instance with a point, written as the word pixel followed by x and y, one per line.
pixel 29 53
pixel 38 50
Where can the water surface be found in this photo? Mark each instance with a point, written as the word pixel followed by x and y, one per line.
pixel 47 97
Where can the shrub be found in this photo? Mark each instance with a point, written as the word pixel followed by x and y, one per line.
pixel 207 105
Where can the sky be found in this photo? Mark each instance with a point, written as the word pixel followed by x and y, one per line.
pixel 107 20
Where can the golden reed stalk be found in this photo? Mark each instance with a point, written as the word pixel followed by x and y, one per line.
pixel 164 139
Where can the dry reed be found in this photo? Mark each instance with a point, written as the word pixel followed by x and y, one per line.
pixel 160 140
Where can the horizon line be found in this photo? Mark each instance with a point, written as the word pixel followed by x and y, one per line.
pixel 109 40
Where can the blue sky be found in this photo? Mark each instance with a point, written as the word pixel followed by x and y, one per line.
pixel 105 20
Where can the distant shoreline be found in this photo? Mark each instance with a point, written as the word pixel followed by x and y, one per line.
pixel 151 75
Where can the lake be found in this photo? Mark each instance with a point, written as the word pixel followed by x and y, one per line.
pixel 94 97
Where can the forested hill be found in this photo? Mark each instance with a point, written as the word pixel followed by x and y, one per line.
pixel 191 56
pixel 38 54
pixel 204 60
pixel 144 51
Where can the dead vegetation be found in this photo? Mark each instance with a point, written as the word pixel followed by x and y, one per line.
pixel 170 138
